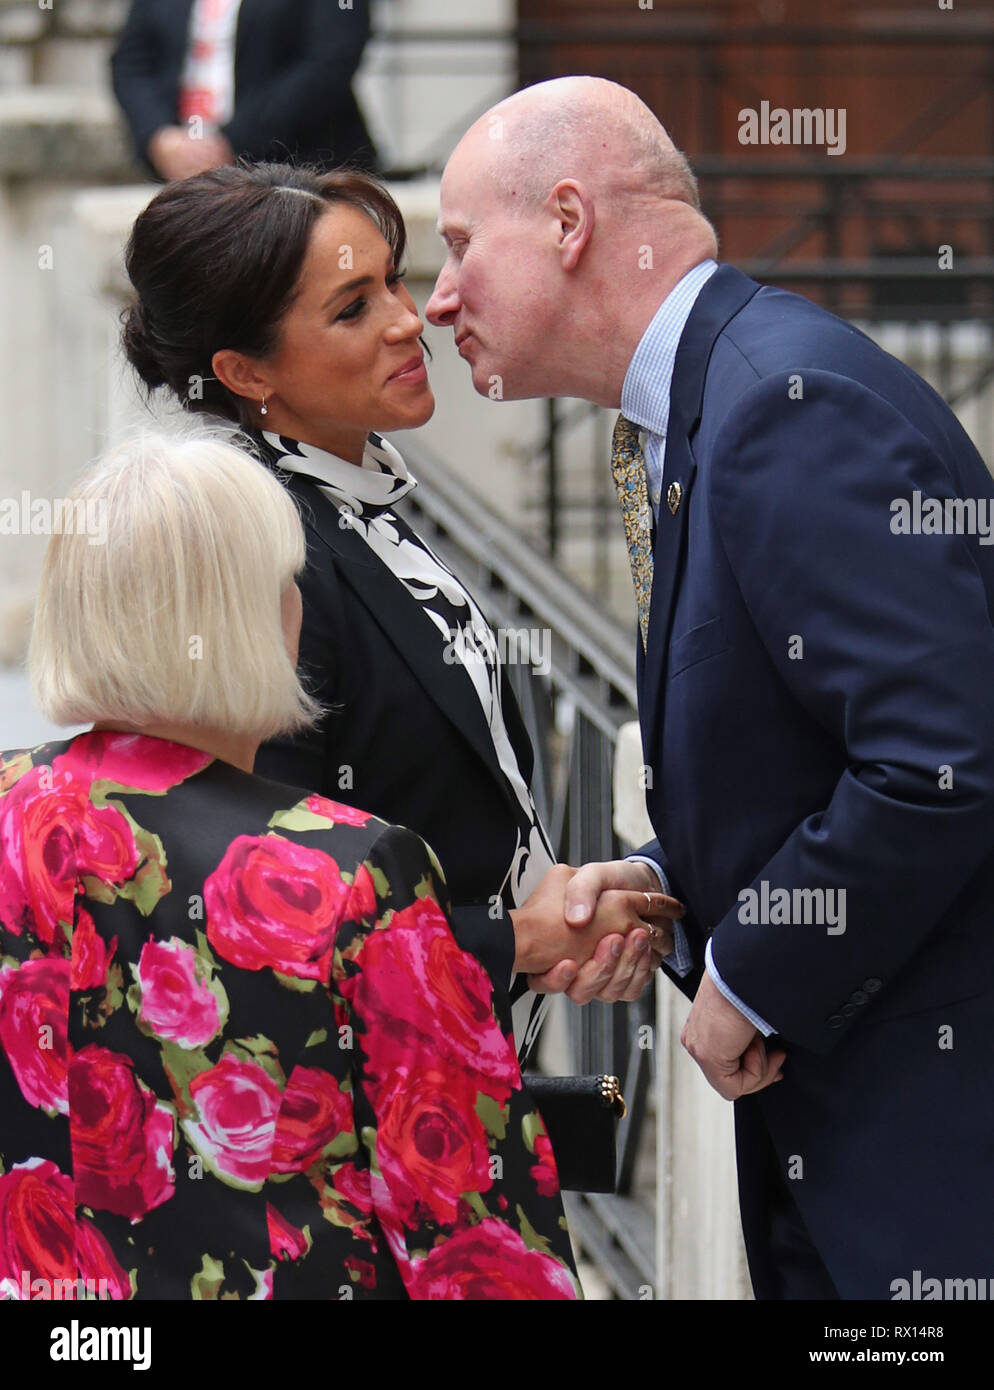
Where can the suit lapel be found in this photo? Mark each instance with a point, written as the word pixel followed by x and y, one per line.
pixel 403 621
pixel 720 300
pixel 668 562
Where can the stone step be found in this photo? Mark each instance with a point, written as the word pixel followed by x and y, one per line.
pixel 22 21
pixel 72 133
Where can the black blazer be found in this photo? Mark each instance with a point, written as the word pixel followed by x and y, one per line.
pixel 406 738
pixel 294 64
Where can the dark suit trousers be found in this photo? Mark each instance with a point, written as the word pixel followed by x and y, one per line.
pixel 783 1262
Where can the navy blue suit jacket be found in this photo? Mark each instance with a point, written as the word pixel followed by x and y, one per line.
pixel 817 707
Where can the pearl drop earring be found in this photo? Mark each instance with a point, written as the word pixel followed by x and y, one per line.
pixel 263 409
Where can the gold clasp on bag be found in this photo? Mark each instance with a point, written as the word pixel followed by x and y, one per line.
pixel 611 1094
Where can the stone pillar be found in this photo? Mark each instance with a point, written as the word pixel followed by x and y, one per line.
pixel 51 372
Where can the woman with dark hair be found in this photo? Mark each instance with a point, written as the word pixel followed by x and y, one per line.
pixel 272 296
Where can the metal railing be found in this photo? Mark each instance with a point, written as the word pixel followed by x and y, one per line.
pixel 573 716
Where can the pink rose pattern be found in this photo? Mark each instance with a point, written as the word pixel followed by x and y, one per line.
pixel 272 904
pixel 34 1012
pixel 50 835
pixel 131 760
pixel 121 1136
pixel 236 1104
pixel 177 1003
pixel 91 955
pixel 46 1247
pixel 282 1024
pixel 488 1261
pixel 335 812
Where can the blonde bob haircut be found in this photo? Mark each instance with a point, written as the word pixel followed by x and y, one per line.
pixel 172 613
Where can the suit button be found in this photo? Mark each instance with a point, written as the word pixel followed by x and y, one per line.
pixel 848 1010
pixel 859 998
pixel 871 985
pixel 836 1021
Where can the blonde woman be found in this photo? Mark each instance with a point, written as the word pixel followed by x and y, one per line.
pixel 270 1071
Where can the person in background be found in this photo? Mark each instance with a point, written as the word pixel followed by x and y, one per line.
pixel 202 82
pixel 241 1054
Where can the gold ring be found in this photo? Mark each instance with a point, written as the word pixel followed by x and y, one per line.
pixel 648 902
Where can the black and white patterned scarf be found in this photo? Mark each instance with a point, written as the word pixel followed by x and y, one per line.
pixel 367 495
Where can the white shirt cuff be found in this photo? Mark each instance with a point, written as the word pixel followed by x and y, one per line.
pixel 680 959
pixel 744 1009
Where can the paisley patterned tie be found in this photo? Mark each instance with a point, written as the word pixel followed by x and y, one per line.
pixel 628 467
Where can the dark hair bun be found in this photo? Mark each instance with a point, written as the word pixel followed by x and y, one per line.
pixel 215 260
pixel 138 347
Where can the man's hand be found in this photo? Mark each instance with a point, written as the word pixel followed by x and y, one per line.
pixel 614 973
pixel 176 155
pixel 623 962
pixel 543 940
pixel 588 883
pixel 729 1050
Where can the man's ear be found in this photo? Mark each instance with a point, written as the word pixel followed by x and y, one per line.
pixel 240 374
pixel 574 209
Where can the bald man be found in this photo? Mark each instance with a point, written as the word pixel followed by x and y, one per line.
pixel 815 674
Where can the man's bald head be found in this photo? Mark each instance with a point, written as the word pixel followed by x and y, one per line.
pixel 568 215
pixel 584 128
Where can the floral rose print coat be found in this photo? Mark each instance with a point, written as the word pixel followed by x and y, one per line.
pixel 241 1054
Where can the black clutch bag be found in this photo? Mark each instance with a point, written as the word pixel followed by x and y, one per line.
pixel 581 1115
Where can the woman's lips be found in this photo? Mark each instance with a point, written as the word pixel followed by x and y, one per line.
pixel 412 371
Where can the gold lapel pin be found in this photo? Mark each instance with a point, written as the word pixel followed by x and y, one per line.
pixel 674 497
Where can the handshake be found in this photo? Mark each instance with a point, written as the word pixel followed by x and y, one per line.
pixel 596 932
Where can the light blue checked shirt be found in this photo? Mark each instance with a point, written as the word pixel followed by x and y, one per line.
pixel 645 400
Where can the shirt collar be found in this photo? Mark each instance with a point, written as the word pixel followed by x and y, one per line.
pixel 381 481
pixel 645 396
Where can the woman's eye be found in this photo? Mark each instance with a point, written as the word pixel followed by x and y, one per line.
pixel 357 307
pixel 353 311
